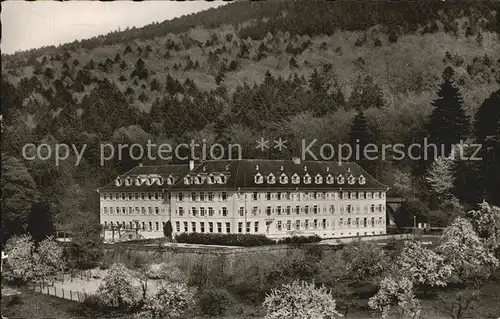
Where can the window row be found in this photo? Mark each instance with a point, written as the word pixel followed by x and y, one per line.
pixel 283 178
pixel 131 210
pixel 307 224
pixel 281 210
pixel 143 226
pixel 136 196
pixel 214 227
pixel 202 197
pixel 315 195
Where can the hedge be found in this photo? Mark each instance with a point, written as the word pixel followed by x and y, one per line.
pixel 245 240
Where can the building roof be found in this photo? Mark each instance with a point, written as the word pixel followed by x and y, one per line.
pixel 240 174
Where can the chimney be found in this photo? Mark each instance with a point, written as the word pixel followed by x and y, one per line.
pixel 191 165
pixel 296 160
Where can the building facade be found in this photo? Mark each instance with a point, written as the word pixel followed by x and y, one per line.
pixel 277 198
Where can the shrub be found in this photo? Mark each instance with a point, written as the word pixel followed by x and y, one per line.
pixel 300 240
pixel 171 300
pixel 166 271
pixel 224 239
pixel 117 290
pixel 213 302
pixel 300 300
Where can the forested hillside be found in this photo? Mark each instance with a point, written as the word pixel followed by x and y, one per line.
pixel 244 71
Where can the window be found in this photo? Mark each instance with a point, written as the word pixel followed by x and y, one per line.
pixel 288 210
pixel 329 179
pixel 224 196
pixel 224 211
pixel 268 196
pixel 306 224
pixel 279 225
pixel 353 195
pixel 210 196
pixel 157 196
pixel 258 178
pixel 219 227
pixel 283 179
pixel 194 211
pixel 351 180
pixel 340 179
pixel 297 210
pixel 210 227
pixel 185 227
pixel 361 195
pixel 105 210
pixel 365 222
pixel 357 222
pixel 315 209
pixel 332 209
pixel 268 210
pixel 137 210
pixel 202 211
pixel 254 196
pixel 157 224
pixel 307 179
pixel 187 180
pixel 318 179
pixel 256 227
pixel 324 223
pixel 150 224
pixel 123 196
pixel 288 225
pixel 306 209
pixel 150 210
pixel 278 210
pixel 150 196
pixel 228 228
pixel 181 211
pixel 248 228
pixel 279 196
pixel 297 224
pixel 179 197
pixel 157 210
pixel 240 227
pixel 349 208
pixel 143 210
pixel 193 197
pixel 368 195
pixel 178 227
pixel 271 179
pixel 254 211
pixel 341 222
pixel 288 196
pixel 315 224
pixel 130 196
pixel 295 179
pixel 372 208
pixel 241 211
pixel 376 195
pixel 348 222
pixel 202 196
pixel 362 180
pixel 202 227
pixel 210 211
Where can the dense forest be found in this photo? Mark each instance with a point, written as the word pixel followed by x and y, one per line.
pixel 380 72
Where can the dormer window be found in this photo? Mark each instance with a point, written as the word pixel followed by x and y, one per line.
pixel 307 179
pixel 283 178
pixel 340 179
pixel 295 179
pixel 187 180
pixel 223 179
pixel 228 167
pixel 271 179
pixel 197 180
pixel 210 179
pixel 118 182
pixel 128 181
pixel 362 180
pixel 351 180
pixel 329 179
pixel 259 179
pixel 137 181
pixel 318 179
pixel 170 180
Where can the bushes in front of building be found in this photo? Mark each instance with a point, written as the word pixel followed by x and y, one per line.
pixel 300 240
pixel 246 240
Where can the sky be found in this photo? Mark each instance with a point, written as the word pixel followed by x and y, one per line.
pixel 27 25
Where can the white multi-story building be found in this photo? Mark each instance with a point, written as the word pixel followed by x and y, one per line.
pixel 277 198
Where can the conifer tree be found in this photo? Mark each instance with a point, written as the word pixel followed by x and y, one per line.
pixel 487 117
pixel 359 137
pixel 448 123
